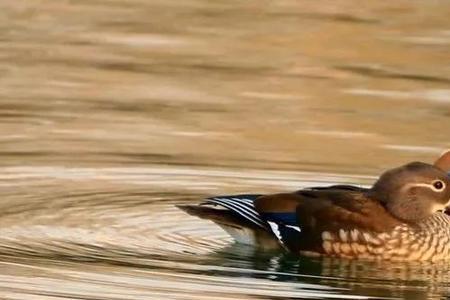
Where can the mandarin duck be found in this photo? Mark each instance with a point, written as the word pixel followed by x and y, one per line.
pixel 402 217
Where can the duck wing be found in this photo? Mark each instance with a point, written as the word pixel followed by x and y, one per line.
pixel 303 219
pixel 295 220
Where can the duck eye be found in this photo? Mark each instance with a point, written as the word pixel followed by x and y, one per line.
pixel 438 185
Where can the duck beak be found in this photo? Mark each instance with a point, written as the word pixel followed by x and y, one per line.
pixel 447 210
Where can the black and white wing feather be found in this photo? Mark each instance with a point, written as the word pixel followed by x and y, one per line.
pixel 241 205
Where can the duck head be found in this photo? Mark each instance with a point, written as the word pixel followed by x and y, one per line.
pixel 443 163
pixel 414 191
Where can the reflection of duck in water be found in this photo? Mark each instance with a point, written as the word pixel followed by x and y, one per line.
pixel 379 279
pixel 400 218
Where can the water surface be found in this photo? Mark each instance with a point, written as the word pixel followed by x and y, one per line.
pixel 112 112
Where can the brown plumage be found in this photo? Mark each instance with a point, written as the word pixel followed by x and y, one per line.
pixel 329 211
pixel 399 218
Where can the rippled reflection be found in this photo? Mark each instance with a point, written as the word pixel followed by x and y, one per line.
pixel 92 234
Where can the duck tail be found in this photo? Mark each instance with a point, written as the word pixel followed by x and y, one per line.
pixel 237 227
pixel 219 216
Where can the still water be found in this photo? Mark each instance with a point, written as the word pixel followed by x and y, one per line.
pixel 112 112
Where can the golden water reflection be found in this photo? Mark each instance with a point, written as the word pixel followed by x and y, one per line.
pixel 112 112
